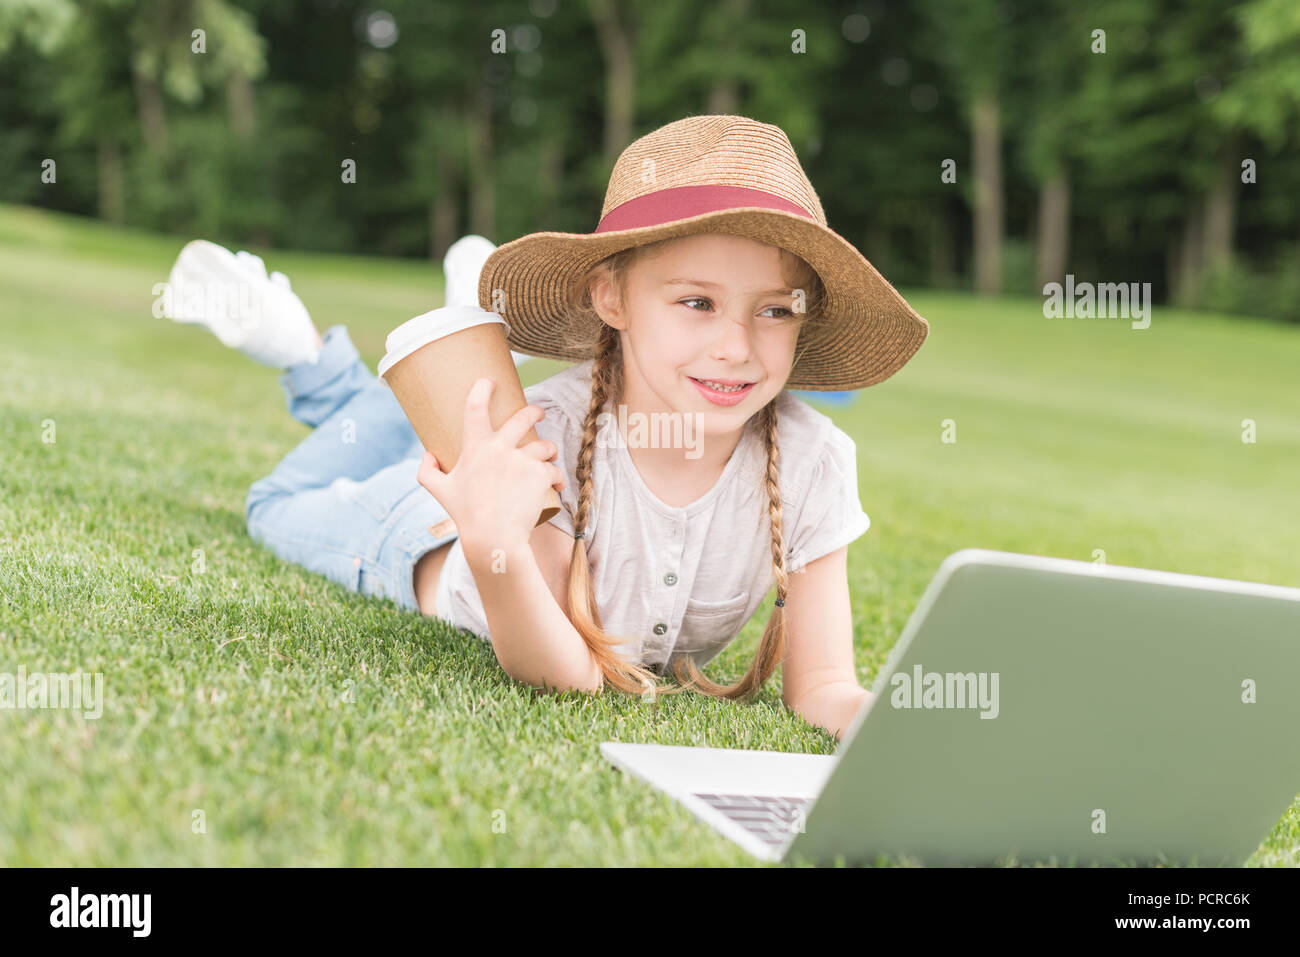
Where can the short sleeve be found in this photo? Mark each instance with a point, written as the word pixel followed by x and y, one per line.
pixel 557 427
pixel 832 514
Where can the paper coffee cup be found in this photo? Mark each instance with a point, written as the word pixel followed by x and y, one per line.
pixel 432 363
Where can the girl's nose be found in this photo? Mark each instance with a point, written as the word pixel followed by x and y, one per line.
pixel 732 338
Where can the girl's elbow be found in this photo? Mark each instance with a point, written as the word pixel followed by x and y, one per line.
pixel 589 682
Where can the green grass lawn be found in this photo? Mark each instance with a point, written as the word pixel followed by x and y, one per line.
pixel 312 726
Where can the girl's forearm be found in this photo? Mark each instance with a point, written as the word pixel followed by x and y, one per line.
pixel 533 639
pixel 833 706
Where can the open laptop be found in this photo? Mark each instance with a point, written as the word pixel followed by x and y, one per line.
pixel 1036 709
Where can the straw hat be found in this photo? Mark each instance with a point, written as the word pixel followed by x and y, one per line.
pixel 711 174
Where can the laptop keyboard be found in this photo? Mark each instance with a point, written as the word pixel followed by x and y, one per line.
pixel 772 819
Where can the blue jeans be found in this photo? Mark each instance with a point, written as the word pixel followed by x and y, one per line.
pixel 346 502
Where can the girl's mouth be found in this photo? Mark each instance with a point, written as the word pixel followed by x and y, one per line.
pixel 728 396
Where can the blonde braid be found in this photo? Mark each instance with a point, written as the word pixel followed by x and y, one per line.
pixel 606 381
pixel 771 648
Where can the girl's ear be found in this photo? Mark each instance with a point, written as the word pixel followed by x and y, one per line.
pixel 604 299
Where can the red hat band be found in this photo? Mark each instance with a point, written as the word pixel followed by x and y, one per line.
pixel 683 202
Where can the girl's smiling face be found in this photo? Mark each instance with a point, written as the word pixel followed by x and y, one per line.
pixel 705 307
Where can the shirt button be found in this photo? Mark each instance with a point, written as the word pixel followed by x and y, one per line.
pixel 670 579
pixel 660 628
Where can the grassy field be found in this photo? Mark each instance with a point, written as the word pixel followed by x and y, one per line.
pixel 312 726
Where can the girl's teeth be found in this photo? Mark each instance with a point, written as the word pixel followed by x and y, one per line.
pixel 722 388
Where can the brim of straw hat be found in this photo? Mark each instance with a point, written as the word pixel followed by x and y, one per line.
pixel 865 333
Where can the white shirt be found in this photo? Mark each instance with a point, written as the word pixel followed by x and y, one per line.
pixel 684 580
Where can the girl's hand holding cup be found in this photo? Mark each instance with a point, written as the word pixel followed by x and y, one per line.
pixel 497 489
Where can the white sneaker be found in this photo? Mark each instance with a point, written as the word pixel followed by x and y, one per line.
pixel 233 297
pixel 462 266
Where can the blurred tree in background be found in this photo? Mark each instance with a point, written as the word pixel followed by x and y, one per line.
pixel 1121 140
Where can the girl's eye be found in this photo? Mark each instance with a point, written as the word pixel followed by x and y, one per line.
pixel 786 313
